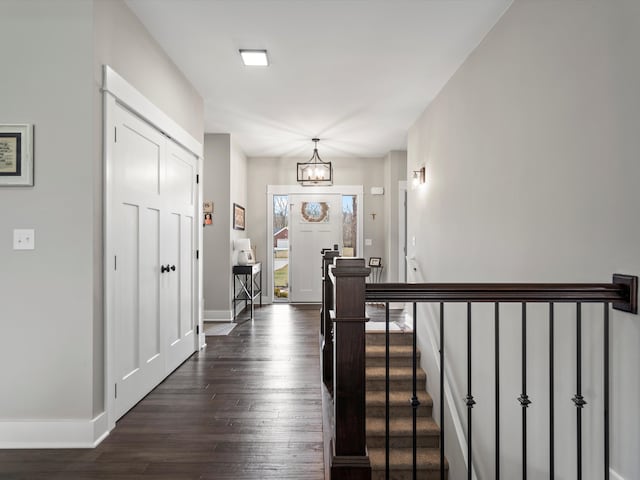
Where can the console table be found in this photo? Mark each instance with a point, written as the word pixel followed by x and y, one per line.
pixel 250 279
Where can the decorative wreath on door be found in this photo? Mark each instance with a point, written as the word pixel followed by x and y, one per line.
pixel 315 212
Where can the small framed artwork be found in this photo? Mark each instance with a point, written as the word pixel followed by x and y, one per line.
pixel 16 155
pixel 375 261
pixel 238 217
pixel 207 206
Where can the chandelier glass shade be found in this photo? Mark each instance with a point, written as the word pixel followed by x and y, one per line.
pixel 315 171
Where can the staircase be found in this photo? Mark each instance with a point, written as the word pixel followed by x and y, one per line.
pixel 400 411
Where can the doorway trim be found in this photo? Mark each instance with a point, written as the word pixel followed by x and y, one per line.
pixel 116 90
pixel 402 231
pixel 357 190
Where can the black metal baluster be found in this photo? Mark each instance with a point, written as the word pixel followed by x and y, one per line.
pixel 606 391
pixel 497 384
pixel 469 400
pixel 442 477
pixel 386 402
pixel 578 399
pixel 415 403
pixel 552 462
pixel 524 398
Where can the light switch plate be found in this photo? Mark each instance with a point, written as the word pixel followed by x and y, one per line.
pixel 368 242
pixel 24 239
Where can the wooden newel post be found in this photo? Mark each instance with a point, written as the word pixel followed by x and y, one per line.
pixel 350 460
pixel 326 327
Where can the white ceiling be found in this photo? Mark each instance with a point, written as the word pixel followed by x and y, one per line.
pixel 355 73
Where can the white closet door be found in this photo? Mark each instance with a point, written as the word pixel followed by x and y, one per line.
pixel 179 194
pixel 154 224
pixel 315 223
pixel 137 221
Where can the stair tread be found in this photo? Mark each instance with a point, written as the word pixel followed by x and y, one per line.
pixel 395 338
pixel 402 458
pixel 394 372
pixel 394 350
pixel 403 426
pixel 402 397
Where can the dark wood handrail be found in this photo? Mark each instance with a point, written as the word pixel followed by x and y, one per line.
pixel 620 293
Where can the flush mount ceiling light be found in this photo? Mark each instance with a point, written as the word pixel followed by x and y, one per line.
pixel 315 171
pixel 254 58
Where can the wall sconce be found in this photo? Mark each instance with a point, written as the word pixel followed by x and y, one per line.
pixel 419 177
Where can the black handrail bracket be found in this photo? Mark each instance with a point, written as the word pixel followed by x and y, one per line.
pixel 630 304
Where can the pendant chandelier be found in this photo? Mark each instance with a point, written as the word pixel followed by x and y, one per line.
pixel 315 171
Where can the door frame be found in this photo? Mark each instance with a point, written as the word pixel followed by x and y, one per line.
pixel 357 190
pixel 402 231
pixel 117 91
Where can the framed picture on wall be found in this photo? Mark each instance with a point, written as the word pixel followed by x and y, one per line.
pixel 238 217
pixel 375 261
pixel 16 155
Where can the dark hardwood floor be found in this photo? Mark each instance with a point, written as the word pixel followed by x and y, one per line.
pixel 248 406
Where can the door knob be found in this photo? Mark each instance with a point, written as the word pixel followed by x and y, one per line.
pixel 164 269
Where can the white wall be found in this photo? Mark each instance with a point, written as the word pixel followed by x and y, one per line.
pixel 347 171
pixel 238 194
pixel 395 166
pixel 122 42
pixel 531 152
pixel 46 295
pixel 216 247
pixel 225 183
pixel 51 328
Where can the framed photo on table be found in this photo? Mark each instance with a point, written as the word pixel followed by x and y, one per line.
pixel 16 155
pixel 238 217
pixel 375 261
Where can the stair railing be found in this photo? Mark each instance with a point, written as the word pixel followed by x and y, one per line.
pixel 326 324
pixel 351 293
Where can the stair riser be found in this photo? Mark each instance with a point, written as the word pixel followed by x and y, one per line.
pixel 399 411
pixel 394 339
pixel 396 385
pixel 407 475
pixel 428 441
pixel 393 362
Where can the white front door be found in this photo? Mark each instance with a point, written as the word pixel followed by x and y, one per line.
pixel 153 205
pixel 315 223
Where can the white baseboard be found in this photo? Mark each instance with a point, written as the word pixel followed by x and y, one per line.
pixel 53 433
pixel 218 316
pixel 614 475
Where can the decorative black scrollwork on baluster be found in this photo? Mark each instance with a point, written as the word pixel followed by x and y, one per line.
pixel 579 401
pixel 524 400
